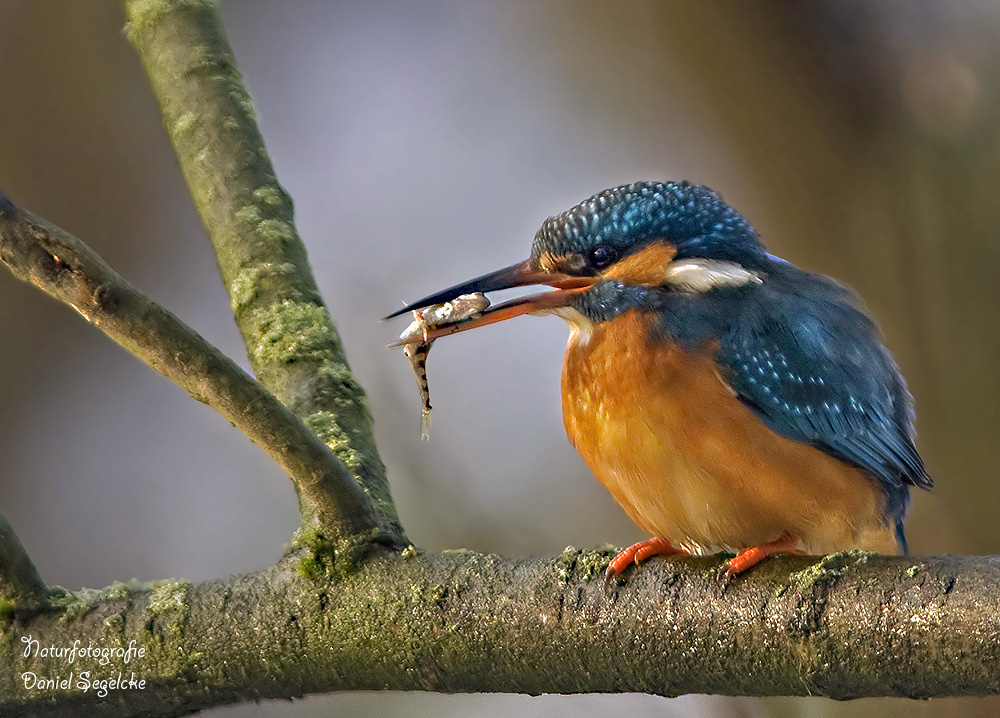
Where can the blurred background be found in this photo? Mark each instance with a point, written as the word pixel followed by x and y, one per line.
pixel 423 144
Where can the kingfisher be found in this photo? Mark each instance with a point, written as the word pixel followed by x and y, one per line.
pixel 728 400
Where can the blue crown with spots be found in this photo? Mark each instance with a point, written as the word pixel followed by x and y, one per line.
pixel 691 217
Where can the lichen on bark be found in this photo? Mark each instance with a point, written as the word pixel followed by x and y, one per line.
pixel 293 345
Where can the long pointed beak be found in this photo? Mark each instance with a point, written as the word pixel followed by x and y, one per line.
pixel 517 275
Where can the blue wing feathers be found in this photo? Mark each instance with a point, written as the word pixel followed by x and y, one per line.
pixel 807 359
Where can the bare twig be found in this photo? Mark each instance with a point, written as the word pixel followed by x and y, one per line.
pixel 65 268
pixel 293 346
pixel 21 588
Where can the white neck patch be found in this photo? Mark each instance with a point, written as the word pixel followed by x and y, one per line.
pixel 581 328
pixel 702 275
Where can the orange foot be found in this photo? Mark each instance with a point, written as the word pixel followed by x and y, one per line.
pixel 750 557
pixel 640 552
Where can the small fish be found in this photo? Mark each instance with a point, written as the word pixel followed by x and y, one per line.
pixel 417 354
pixel 467 306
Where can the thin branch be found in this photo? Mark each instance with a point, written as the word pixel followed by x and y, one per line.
pixel 293 346
pixel 21 588
pixel 847 625
pixel 64 267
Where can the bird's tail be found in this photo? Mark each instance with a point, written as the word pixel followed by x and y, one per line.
pixel 901 539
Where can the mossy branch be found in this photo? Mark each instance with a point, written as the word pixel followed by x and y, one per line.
pixel 64 267
pixel 844 626
pixel 293 346
pixel 21 588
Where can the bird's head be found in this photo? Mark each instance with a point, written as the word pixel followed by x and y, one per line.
pixel 668 236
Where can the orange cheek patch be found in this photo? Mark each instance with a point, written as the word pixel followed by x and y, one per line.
pixel 647 267
pixel 547 262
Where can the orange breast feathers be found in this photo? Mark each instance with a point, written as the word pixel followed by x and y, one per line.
pixel 690 463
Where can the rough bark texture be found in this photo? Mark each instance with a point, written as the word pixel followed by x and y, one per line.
pixel 21 588
pixel 843 626
pixel 64 267
pixel 293 346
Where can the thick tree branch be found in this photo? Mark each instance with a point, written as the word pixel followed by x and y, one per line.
pixel 21 588
pixel 294 348
pixel 64 267
pixel 844 626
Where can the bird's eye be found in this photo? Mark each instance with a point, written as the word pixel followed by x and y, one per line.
pixel 602 256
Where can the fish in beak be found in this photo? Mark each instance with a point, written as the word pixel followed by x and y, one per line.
pixel 522 274
pixel 465 306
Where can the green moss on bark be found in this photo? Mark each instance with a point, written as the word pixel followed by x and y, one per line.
pixel 292 343
pixel 464 621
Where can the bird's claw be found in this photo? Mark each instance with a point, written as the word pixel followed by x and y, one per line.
pixel 637 553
